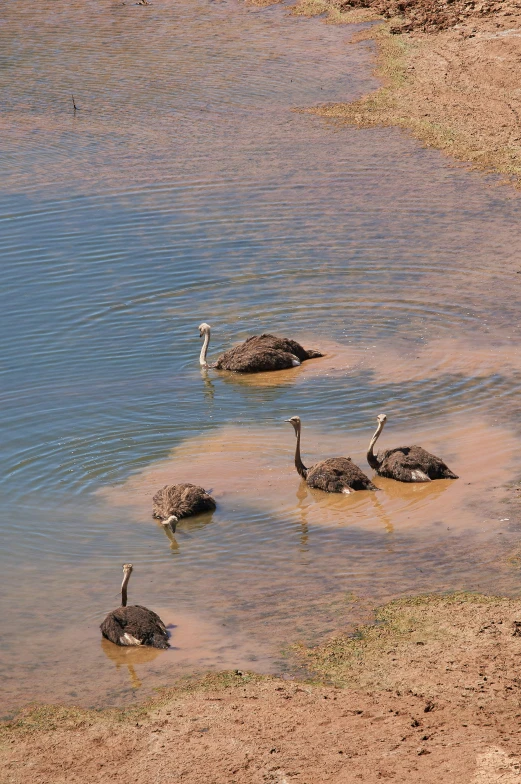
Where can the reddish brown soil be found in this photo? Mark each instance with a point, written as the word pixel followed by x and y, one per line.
pixel 451 76
pixel 430 694
pixel 429 15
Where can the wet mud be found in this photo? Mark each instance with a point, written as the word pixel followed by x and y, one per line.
pixel 253 467
pixel 429 693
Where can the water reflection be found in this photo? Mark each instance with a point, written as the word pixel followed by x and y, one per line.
pixel 174 544
pixel 186 528
pixel 130 657
pixel 273 378
pixel 209 389
pixel 302 509
pixel 383 517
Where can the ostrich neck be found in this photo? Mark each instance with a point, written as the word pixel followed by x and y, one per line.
pixel 204 349
pixel 371 457
pixel 134 680
pixel 299 465
pixel 124 590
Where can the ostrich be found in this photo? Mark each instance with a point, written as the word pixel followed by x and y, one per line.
pixel 335 475
pixel 406 463
pixel 134 625
pixel 258 353
pixel 173 502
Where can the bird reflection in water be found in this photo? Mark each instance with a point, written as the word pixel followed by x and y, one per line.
pixel 334 506
pixel 209 389
pixel 186 527
pixel 403 500
pixel 130 657
pixel 174 544
pixel 303 510
pixel 385 519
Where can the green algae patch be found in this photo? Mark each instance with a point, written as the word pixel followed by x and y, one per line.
pixel 47 718
pixel 416 644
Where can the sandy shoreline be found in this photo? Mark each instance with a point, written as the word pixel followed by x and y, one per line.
pixel 450 75
pixel 431 693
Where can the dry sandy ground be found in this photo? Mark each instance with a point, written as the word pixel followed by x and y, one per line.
pixel 451 73
pixel 429 693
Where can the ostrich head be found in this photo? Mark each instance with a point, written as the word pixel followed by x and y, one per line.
pixel 295 421
pixel 127 570
pixel 204 329
pixel 172 522
pixel 381 419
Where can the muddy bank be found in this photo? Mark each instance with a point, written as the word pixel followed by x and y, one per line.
pixel 450 72
pixel 430 692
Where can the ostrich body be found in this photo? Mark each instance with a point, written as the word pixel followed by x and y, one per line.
pixel 334 475
pixel 134 625
pixel 173 502
pixel 258 353
pixel 406 463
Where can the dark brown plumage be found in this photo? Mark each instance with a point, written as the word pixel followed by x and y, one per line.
pixel 134 625
pixel 183 500
pixel 334 475
pixel 258 353
pixel 406 463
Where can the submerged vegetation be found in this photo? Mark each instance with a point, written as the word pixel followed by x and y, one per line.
pixel 412 639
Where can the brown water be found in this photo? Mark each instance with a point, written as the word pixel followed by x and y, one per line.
pixel 186 189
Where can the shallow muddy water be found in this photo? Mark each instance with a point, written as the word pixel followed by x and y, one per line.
pixel 185 188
